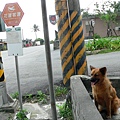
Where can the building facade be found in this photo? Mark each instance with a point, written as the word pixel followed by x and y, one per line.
pixel 95 25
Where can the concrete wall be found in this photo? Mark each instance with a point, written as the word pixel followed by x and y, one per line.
pixel 83 107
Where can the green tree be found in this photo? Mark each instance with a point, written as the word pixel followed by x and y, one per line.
pixel 107 13
pixel 85 13
pixel 117 8
pixel 36 28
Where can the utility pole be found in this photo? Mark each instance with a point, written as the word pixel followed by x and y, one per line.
pixel 77 37
pixel 64 35
pixel 70 31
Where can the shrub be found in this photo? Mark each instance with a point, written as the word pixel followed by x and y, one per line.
pixel 96 36
pixel 21 115
pixel 59 91
pixel 41 97
pixel 103 43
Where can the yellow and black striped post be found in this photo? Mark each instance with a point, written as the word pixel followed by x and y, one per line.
pixel 70 32
pixel 5 99
pixel 2 77
pixel 3 91
pixel 64 35
pixel 80 61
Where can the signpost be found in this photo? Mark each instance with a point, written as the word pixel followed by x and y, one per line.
pixel 48 58
pixel 12 15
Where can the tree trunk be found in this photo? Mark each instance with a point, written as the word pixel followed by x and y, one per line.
pixel 108 30
pixel 36 35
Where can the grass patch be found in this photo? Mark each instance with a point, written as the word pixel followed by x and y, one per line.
pixel 59 91
pixel 15 95
pixel 65 110
pixel 106 51
pixel 21 115
pixel 41 97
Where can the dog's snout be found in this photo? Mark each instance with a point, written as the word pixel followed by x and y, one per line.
pixel 93 79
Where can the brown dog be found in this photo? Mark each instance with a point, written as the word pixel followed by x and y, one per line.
pixel 103 93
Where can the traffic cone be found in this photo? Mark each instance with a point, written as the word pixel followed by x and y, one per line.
pixel 6 102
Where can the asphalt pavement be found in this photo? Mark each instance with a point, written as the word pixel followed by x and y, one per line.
pixel 33 69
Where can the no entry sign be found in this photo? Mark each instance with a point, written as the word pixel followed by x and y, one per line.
pixel 12 14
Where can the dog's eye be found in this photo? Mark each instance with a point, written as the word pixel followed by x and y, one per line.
pixel 96 74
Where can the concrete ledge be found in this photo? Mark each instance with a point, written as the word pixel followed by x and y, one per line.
pixel 83 106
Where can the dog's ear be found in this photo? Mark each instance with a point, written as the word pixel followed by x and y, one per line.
pixel 91 67
pixel 103 70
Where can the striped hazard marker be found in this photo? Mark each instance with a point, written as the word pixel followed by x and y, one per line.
pixel 2 77
pixel 64 35
pixel 78 42
pixel 70 32
pixel 5 99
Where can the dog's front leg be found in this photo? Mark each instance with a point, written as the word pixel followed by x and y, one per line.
pixel 108 108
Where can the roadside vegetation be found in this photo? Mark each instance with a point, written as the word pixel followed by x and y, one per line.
pixel 108 12
pixel 21 115
pixel 65 109
pixel 105 45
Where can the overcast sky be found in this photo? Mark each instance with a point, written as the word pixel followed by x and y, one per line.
pixel 33 15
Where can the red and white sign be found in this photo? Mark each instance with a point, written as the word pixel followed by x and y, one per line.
pixel 12 14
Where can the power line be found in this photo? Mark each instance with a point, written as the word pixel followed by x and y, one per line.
pixel 90 3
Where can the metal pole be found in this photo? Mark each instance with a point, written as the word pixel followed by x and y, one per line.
pixel 22 35
pixel 18 81
pixel 48 58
